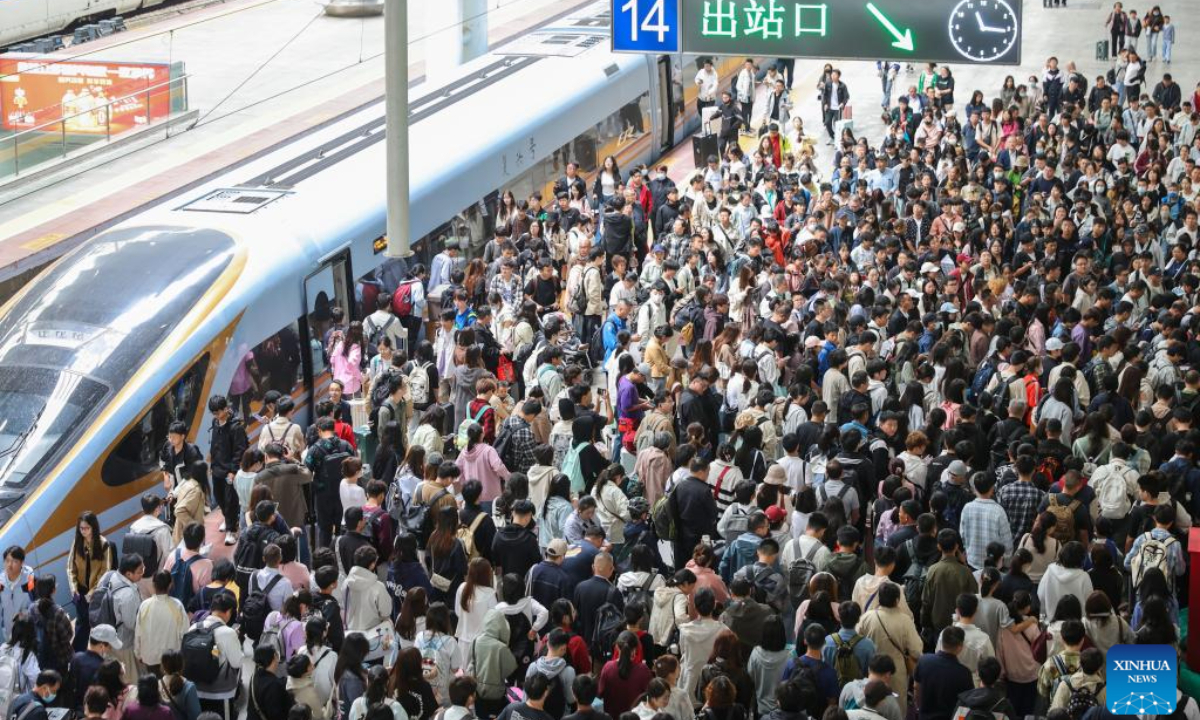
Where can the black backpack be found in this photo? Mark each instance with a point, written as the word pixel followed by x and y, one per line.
pixel 596 347
pixel 200 657
pixel 256 607
pixel 416 517
pixel 610 621
pixel 556 698
pixel 642 594
pixel 520 644
pixel 181 578
pixel 331 469
pixel 143 544
pixel 914 578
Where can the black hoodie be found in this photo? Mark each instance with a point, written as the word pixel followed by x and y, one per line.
pixel 988 699
pixel 515 549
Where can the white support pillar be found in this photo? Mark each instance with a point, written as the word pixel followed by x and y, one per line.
pixel 395 32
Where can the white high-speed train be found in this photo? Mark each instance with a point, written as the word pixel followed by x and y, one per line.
pixel 138 326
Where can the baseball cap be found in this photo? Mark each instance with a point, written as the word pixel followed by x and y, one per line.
pixel 1054 344
pixel 929 267
pixel 960 227
pixel 958 468
pixel 775 514
pixel 658 249
pixel 644 369
pixel 812 341
pixel 948 307
pixel 107 634
pixel 556 549
pixel 1156 270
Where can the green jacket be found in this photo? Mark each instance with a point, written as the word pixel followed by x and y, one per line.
pixel 946 580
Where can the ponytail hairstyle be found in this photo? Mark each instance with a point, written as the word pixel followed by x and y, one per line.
pixel 314 633
pixel 1020 560
pixel 988 580
pixel 627 646
pixel 1041 528
pixel 657 688
pixel 44 589
pixel 377 685
pixel 681 577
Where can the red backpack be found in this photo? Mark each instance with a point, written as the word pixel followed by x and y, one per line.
pixel 402 299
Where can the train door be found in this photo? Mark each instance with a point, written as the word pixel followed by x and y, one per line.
pixel 328 288
pixel 666 103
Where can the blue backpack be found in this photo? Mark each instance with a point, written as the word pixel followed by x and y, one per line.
pixel 979 383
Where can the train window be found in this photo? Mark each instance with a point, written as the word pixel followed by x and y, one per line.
pixel 273 364
pixel 327 296
pixel 136 455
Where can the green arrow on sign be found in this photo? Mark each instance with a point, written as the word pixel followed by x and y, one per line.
pixel 904 40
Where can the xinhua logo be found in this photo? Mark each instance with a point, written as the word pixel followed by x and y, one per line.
pixel 1141 680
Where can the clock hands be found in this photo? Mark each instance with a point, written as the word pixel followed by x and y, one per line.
pixel 985 28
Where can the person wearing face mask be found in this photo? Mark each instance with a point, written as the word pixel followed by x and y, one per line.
pixel 41 697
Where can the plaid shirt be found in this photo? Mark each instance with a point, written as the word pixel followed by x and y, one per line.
pixel 676 245
pixel 509 290
pixel 1020 501
pixel 983 521
pixel 521 443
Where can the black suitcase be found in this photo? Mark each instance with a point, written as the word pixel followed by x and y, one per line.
pixel 449 426
pixel 702 147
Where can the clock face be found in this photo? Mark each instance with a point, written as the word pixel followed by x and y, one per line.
pixel 983 30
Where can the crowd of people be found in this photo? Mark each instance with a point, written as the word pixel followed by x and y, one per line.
pixel 914 436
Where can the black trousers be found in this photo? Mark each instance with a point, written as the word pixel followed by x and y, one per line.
pixel 227 500
pixel 329 516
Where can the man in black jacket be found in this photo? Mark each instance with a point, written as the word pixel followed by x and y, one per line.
pixel 834 97
pixel 618 229
pixel 693 407
pixel 594 593
pixel 515 548
pixel 228 442
pixel 269 698
pixel 694 509
pixel 321 461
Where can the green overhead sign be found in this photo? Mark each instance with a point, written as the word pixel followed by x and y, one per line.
pixel 949 31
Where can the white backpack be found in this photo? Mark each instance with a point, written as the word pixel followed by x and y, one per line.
pixel 1113 493
pixel 418 383
pixel 10 677
pixel 1153 553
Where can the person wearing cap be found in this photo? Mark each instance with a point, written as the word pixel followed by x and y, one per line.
pixel 548 581
pixel 102 642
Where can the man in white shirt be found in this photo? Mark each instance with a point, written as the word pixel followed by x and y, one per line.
pixel 706 80
pixel 976 643
pixel 809 545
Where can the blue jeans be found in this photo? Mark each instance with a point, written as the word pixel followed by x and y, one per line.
pixel 1152 44
pixel 1167 45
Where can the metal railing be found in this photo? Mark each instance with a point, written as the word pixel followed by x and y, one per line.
pixel 43 136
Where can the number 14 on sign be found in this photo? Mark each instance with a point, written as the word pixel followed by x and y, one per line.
pixel 653 22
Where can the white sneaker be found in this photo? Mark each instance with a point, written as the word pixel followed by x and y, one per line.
pixel 222 528
pixel 231 538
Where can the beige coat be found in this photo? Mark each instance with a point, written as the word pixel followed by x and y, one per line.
pixel 894 634
pixel 189 506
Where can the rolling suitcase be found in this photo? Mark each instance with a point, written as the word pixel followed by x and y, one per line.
pixel 1102 50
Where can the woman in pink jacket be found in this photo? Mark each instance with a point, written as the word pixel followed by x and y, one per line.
pixel 345 358
pixel 481 462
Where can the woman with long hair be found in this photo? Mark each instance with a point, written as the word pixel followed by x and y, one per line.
pixel 324 658
pixel 655 701
pixel 110 677
pixel 749 457
pixel 1015 652
pixel 767 662
pixel 54 645
pixel 349 677
pixel 1042 546
pixel 671 607
pixel 445 556
pixel 90 557
pixel 177 691
pixel 474 599
pixel 1103 625
pixel 480 461
pixel 387 458
pixel 552 519
pixel 149 703
pixel 345 357
pixel 704 566
pixel 21 646
pixel 411 621
pixel 720 701
pixel 1153 587
pixel 819 608
pixel 622 680
pixel 377 697
pixel 1094 447
pixel 412 470
pixel 515 488
pixel 408 685
pixel 441 657
pixel 728 659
